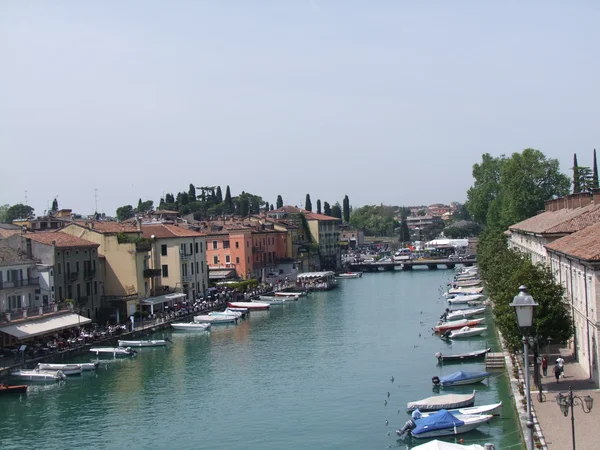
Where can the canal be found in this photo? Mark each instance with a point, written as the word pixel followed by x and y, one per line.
pixel 310 374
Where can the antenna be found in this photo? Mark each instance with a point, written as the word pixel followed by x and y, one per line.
pixel 96 200
pixel 26 196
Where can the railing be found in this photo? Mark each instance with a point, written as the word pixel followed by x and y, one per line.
pixel 150 273
pixel 73 276
pixel 187 278
pixel 162 290
pixel 185 256
pixel 258 250
pixel 34 311
pixel 89 274
pixel 120 298
pixel 143 246
pixel 19 283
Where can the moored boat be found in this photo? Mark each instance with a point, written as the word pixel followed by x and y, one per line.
pixel 226 313
pixel 443 445
pixel 39 375
pixel 349 275
pixel 115 351
pixel 466 283
pixel 215 320
pixel 288 294
pixel 67 369
pixel 463 313
pixel 464 299
pixel 271 300
pixel 442 423
pixel 460 378
pixel 16 389
pixel 466 290
pixel 146 343
pixel 462 356
pixel 191 326
pixel 492 408
pixel 448 401
pixel 251 306
pixel 466 332
pixel 457 324
pixel 244 311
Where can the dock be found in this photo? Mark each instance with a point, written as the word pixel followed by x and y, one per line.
pixel 494 361
pixel 408 265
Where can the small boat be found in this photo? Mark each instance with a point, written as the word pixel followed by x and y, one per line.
pixel 86 367
pixel 39 375
pixel 17 389
pixel 244 311
pixel 67 369
pixel 215 320
pixel 466 283
pixel 115 351
pixel 275 300
pixel 463 313
pixel 349 275
pixel 442 423
pixel 463 299
pixel 288 294
pixel 443 445
pixel 148 343
pixel 466 290
pixel 462 356
pixel 460 378
pixel 251 306
pixel 191 326
pixel 448 401
pixel 466 331
pixel 473 410
pixel 457 324
pixel 226 313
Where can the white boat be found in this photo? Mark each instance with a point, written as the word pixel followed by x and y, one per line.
pixel 86 367
pixel 275 300
pixel 191 326
pixel 349 275
pixel 148 343
pixel 226 313
pixel 492 408
pixel 465 332
pixel 465 299
pixel 240 310
pixel 464 313
pixel 67 369
pixel 39 375
pixel 288 294
pixel 251 306
pixel 466 290
pixel 442 423
pixel 437 402
pixel 466 283
pixel 115 351
pixel 215 320
pixel 442 445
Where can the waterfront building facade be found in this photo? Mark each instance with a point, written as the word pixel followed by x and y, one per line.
pixel 18 283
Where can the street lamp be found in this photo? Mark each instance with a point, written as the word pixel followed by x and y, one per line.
pixel 524 308
pixel 567 401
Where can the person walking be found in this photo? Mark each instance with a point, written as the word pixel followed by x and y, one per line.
pixel 557 371
pixel 545 366
pixel 561 363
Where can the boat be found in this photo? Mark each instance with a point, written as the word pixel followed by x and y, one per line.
pixel 492 408
pixel 466 290
pixel 191 326
pixel 442 445
pixel 215 320
pixel 466 331
pixel 226 313
pixel 288 294
pixel 463 313
pixel 115 351
pixel 462 356
pixel 39 375
pixel 448 401
pixel 86 367
pixel 466 283
pixel 244 311
pixel 442 423
pixel 148 343
pixel 460 378
pixel 17 389
pixel 349 275
pixel 251 306
pixel 457 324
pixel 464 299
pixel 271 300
pixel 67 369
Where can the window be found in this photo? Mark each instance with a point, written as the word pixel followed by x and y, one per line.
pixel 247 244
pixel 70 291
pixel 68 267
pixel 85 252
pixel 237 245
pixel 77 252
pixel 88 288
pixel 248 260
pixel 60 296
pixel 227 258
pixel 51 273
pixel 94 265
pixel 165 271
pixel 197 265
pixel 202 266
pixel 201 250
pixel 78 291
pixel 77 266
pixel 95 287
pixel 163 250
pixel 14 301
pixel 192 266
pixel 226 244
pixel 215 245
pixel 237 259
pixel 216 259
pixel 59 269
pixel 191 248
pixel 196 247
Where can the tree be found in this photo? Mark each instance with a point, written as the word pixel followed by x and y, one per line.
pixel 3 211
pixel 346 209
pixel 54 205
pixel 376 220
pixel 244 206
pixel 272 207
pixel 421 213
pixel 192 192
pixel 485 188
pixel 336 211
pixel 404 231
pixel 125 212
pixel 18 211
pixel 169 199
pixel 144 207
pixel 462 229
pixel 595 172
pixel 576 186
pixel 279 202
pixel 219 195
pixel 308 203
pixel 404 212
pixel 266 206
pixel 326 209
pixel 319 206
pixel 228 202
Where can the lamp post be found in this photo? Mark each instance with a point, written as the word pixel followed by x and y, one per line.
pixel 568 401
pixel 524 308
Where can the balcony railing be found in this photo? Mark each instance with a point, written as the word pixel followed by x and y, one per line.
pixel 19 283
pixel 34 311
pixel 185 256
pixel 162 290
pixel 143 246
pixel 150 273
pixel 73 276
pixel 187 278
pixel 89 274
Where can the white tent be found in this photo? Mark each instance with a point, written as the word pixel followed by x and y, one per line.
pixel 441 445
pixel 452 242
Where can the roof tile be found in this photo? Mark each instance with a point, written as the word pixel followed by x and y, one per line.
pixel 560 221
pixel 164 231
pixel 61 240
pixel 583 244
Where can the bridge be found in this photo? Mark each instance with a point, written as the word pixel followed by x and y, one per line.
pixel 408 265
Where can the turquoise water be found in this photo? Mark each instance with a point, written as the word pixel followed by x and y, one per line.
pixel 309 374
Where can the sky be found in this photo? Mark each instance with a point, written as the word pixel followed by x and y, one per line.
pixel 387 102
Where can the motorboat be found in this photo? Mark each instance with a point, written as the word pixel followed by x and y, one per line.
pixel 492 408
pixel 215 320
pixel 244 311
pixel 466 283
pixel 86 367
pixel 17 389
pixel 275 300
pixel 443 445
pixel 147 343
pixel 67 369
pixel 288 294
pixel 460 378
pixel 466 331
pixel 39 375
pixel 466 290
pixel 191 326
pixel 463 313
pixel 251 306
pixel 226 313
pixel 349 275
pixel 115 351
pixel 462 356
pixel 457 324
pixel 442 423
pixel 465 299
pixel 437 402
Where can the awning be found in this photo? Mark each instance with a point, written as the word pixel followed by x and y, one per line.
pixel 221 274
pixel 48 325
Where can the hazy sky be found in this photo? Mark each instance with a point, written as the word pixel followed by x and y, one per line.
pixel 385 101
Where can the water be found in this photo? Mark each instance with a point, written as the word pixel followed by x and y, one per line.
pixel 309 374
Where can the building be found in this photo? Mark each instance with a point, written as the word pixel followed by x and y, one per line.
pixel 178 259
pixel 423 221
pixel 18 281
pixel 71 270
pixel 352 237
pixel 229 251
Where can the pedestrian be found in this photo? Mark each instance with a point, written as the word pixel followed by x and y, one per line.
pixel 557 371
pixel 561 364
pixel 545 366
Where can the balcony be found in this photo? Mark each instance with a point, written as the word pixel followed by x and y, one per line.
pixel 143 246
pixel 151 273
pixel 162 290
pixel 185 256
pixel 19 283
pixel 72 276
pixel 258 250
pixel 34 311
pixel 187 278
pixel 88 274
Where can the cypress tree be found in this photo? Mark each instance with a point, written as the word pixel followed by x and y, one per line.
pixel 55 201
pixel 346 209
pixel 326 209
pixel 219 195
pixel 576 181
pixel 272 207
pixel 279 202
pixel 228 202
pixel 595 175
pixel 318 206
pixel 266 206
pixel 192 192
pixel 308 203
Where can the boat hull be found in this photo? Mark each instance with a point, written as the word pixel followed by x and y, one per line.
pixel 43 376
pixel 465 313
pixel 17 389
pixel 473 380
pixel 466 427
pixel 463 356
pixel 215 320
pixel 252 306
pixel 442 402
pixel 156 343
pixel 457 325
pixel 116 351
pixel 198 327
pixel 67 369
pixel 458 334
pixel 491 409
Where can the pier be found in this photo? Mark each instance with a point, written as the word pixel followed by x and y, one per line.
pixel 408 265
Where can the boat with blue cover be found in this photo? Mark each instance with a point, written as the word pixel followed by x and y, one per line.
pixel 441 423
pixel 460 378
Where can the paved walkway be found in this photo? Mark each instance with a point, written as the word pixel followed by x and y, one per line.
pixel 556 427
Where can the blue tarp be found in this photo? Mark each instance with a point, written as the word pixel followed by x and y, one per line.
pixel 440 420
pixel 460 376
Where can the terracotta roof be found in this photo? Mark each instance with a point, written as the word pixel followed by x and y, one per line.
pixel 308 214
pixel 560 221
pixel 164 231
pixel 62 240
pixel 583 244
pixel 108 227
pixel 11 257
pixel 6 233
